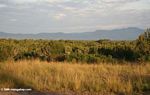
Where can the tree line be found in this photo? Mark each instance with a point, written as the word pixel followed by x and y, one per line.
pixel 77 51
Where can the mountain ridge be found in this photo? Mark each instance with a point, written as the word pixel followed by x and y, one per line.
pixel 129 33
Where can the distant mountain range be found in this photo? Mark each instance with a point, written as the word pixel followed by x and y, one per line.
pixel 130 33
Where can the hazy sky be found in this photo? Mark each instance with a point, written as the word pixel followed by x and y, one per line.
pixel 37 16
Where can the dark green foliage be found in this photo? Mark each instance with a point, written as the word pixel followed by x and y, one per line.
pixel 143 46
pixel 77 51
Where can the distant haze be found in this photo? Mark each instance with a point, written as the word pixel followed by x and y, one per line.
pixel 130 33
pixel 72 16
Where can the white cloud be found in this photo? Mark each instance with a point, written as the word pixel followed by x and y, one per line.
pixel 59 16
pixel 79 15
pixel 69 8
pixel 139 5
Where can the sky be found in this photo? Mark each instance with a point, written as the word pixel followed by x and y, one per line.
pixel 49 16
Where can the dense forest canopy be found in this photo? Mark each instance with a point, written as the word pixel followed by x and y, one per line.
pixel 77 51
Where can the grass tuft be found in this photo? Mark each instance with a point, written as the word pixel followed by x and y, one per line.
pixel 62 77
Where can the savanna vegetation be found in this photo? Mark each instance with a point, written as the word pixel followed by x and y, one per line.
pixel 77 51
pixel 61 65
pixel 77 79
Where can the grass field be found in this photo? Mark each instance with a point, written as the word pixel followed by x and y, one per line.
pixel 125 79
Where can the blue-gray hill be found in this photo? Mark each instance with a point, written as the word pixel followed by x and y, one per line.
pixel 130 33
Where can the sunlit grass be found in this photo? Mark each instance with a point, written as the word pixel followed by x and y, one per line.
pixel 80 78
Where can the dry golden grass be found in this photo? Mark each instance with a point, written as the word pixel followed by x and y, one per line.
pixel 62 77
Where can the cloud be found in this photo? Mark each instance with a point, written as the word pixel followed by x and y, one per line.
pixel 73 15
pixel 3 5
pixel 59 16
pixel 37 1
pixel 139 5
pixel 13 20
pixel 24 1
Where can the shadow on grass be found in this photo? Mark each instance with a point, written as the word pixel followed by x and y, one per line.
pixel 146 84
pixel 18 83
pixel 141 84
